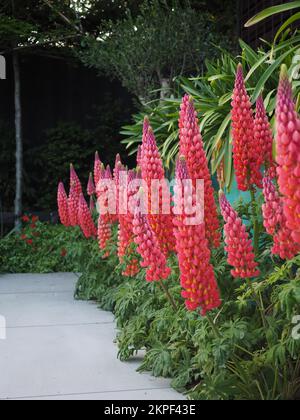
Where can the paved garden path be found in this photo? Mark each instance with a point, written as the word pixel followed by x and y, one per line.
pixel 58 348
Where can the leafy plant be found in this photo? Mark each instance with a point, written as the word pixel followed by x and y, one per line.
pixel 212 94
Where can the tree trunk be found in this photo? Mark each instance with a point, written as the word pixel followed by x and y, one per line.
pixel 165 89
pixel 19 140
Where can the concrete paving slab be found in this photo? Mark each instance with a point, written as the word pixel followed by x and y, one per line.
pixel 164 394
pixel 57 348
pixel 37 283
pixel 49 309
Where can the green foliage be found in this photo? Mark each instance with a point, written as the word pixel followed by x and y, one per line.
pixel 212 94
pixel 239 360
pixel 162 41
pixel 39 248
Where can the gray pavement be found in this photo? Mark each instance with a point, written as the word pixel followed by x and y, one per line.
pixel 59 348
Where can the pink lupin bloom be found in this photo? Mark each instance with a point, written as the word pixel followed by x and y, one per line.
pixel 74 194
pixel 85 219
pixel 73 202
pixel 104 234
pixel 92 204
pixel 238 244
pixel 275 222
pixel 197 278
pixel 139 156
pixel 272 209
pixel 74 181
pixel 160 217
pixel 98 167
pixel 91 186
pixel 264 136
pixel 125 234
pixel 288 154
pixel 191 146
pixel 62 201
pixel 148 247
pixel 246 147
pixel 117 171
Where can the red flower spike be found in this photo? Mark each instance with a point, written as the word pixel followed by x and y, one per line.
pixel 148 247
pixel 139 156
pixel 126 235
pixel 288 154
pixel 85 219
pixel 104 234
pixel 74 181
pixel 73 202
pixel 264 137
pixel 246 148
pixel 275 222
pixel 152 170
pixel 191 146
pixel 92 205
pixel 238 244
pixel 62 201
pixel 97 169
pixel 91 186
pixel 197 277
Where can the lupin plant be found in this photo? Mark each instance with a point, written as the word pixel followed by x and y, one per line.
pixel 246 147
pixel 153 259
pixel 85 219
pixel 275 222
pixel 91 190
pixel 152 170
pixel 62 201
pixel 191 146
pixel 238 244
pixel 125 233
pixel 197 276
pixel 98 167
pixel 288 154
pixel 264 136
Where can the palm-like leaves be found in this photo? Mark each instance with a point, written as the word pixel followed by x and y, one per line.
pixel 212 94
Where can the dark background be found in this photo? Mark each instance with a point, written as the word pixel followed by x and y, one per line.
pixel 69 112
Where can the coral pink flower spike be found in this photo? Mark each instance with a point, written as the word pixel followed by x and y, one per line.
pixel 91 186
pixel 238 244
pixel 148 247
pixel 85 219
pixel 74 194
pixel 288 154
pixel 191 146
pixel 275 222
pixel 75 182
pixel 62 201
pixel 246 148
pixel 104 234
pixel 152 170
pixel 264 136
pixel 197 277
pixel 125 234
pixel 98 167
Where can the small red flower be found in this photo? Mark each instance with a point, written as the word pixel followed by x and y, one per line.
pixel 29 241
pixel 34 219
pixel 63 253
pixel 25 219
pixel 23 237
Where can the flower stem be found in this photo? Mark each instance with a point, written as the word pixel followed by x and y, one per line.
pixel 260 306
pixel 213 326
pixel 168 294
pixel 255 222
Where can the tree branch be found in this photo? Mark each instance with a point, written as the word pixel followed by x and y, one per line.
pixel 62 16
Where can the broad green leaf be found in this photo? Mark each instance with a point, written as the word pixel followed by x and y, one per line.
pixel 286 24
pixel 270 11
